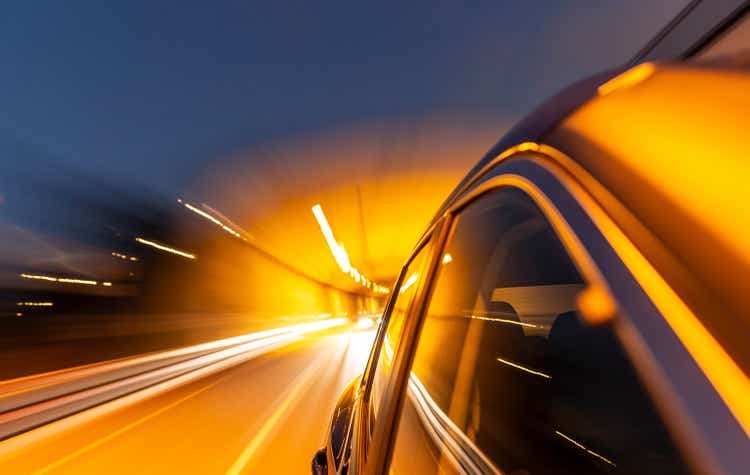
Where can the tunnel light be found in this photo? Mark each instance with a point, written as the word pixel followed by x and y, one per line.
pixel 211 218
pixel 164 248
pixel 447 258
pixel 338 251
pixel 340 255
pixel 124 257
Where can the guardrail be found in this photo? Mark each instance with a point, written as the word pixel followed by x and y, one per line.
pixel 29 402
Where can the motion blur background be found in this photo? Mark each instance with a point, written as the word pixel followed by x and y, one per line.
pixel 251 112
pixel 175 172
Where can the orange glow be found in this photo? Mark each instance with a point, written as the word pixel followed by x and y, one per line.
pixel 447 258
pixel 340 255
pixel 716 202
pixel 162 247
pixel 596 306
pixel 722 371
pixel 629 78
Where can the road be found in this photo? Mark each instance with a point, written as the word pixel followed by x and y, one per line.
pixel 267 414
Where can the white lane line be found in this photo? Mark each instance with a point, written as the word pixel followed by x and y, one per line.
pixel 302 382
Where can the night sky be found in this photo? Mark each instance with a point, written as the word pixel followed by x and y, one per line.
pixel 153 91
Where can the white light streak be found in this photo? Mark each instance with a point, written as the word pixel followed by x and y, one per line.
pixel 409 282
pixel 583 447
pixel 162 247
pixel 64 280
pixel 523 368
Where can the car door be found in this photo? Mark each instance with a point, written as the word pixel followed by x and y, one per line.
pixel 539 351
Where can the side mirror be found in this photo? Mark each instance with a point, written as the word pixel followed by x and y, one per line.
pixel 320 463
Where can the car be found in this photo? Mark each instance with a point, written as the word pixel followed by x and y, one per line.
pixel 579 304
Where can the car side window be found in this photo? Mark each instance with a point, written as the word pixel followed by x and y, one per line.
pixel 392 337
pixel 506 378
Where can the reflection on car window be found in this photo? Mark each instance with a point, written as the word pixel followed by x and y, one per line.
pixel 392 337
pixel 506 378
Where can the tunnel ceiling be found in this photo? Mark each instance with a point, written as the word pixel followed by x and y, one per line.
pixel 377 183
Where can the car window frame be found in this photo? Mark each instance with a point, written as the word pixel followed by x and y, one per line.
pixel 363 450
pixel 450 220
pixel 545 191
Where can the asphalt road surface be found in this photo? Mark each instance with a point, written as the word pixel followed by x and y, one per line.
pixel 259 410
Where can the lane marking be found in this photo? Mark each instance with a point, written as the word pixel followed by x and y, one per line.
pixel 302 382
pixel 124 429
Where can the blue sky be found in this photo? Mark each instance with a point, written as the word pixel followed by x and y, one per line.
pixel 154 91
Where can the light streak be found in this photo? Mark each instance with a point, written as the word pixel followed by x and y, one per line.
pixel 583 447
pixel 505 320
pixel 340 255
pixel 162 247
pixel 409 282
pixel 211 218
pixel 34 304
pixel 249 346
pixel 523 368
pixel 39 277
pixel 107 284
pixel 453 442
pixel 124 256
pixel 629 78
pixel 338 251
pixel 64 280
